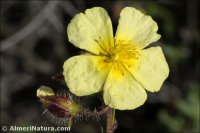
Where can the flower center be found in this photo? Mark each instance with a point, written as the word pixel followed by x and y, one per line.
pixel 122 55
pixel 114 57
pixel 124 52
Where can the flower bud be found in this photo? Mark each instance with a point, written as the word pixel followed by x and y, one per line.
pixel 61 106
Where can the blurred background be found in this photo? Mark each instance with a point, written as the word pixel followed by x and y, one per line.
pixel 34 46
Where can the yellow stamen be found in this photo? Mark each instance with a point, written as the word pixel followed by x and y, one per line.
pixel 122 55
pixel 123 52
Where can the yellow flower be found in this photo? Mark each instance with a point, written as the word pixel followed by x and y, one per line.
pixel 119 66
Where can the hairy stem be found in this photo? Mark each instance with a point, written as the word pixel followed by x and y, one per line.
pixel 111 124
pixel 90 113
pixel 111 121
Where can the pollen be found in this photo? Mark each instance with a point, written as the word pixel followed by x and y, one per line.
pixel 123 54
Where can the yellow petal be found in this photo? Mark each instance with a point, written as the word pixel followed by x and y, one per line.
pixel 123 92
pixel 43 91
pixel 152 69
pixel 85 74
pixel 137 28
pixel 85 30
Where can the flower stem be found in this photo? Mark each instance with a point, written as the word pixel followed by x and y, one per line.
pixel 111 124
pixel 90 113
pixel 111 121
